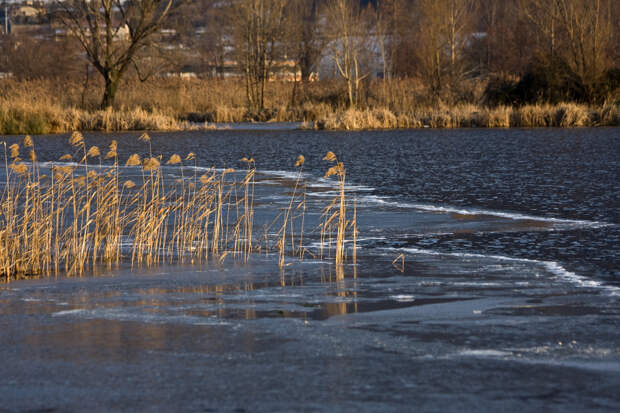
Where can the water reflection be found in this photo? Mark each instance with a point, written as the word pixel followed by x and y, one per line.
pixel 308 291
pixel 93 340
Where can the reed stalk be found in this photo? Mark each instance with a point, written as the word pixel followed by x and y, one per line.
pixel 78 217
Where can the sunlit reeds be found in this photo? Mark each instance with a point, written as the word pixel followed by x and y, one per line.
pixel 79 213
pixel 464 116
pixel 335 219
pixel 288 221
pixel 47 106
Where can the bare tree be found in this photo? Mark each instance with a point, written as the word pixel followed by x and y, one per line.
pixel 544 14
pixel 258 31
pixel 589 33
pixel 304 40
pixel 443 27
pixel 505 39
pixel 430 34
pixel 113 33
pixel 30 58
pixel 459 16
pixel 215 43
pixel 585 27
pixel 385 18
pixel 349 30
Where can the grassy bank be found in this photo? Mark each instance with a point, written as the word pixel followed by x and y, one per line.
pixel 16 120
pixel 46 106
pixel 563 115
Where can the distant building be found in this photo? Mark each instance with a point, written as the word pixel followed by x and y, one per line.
pixel 27 12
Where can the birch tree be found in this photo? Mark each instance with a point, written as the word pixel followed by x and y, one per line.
pixel 443 29
pixel 348 32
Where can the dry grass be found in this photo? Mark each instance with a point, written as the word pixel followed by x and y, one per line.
pixel 79 216
pixel 563 115
pixel 44 106
pixel 41 118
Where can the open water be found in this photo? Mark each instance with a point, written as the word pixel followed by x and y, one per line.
pixel 509 298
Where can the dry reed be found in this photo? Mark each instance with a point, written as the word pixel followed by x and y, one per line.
pixel 83 215
pixel 464 116
pixel 45 106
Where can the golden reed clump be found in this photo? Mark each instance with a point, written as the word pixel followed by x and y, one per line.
pixel 563 115
pixel 80 217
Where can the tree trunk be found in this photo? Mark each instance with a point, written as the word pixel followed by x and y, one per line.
pixel 109 93
pixel 306 69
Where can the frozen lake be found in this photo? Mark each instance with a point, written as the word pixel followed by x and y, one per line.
pixel 509 297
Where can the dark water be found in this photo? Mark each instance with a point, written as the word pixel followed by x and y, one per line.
pixel 509 298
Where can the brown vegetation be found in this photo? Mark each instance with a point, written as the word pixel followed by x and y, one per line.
pixel 562 115
pixel 374 55
pixel 75 216
pixel 44 106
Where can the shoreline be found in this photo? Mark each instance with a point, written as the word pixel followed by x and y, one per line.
pixel 22 120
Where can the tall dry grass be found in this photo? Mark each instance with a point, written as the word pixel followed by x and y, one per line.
pixel 21 117
pixel 46 106
pixel 464 116
pixel 79 213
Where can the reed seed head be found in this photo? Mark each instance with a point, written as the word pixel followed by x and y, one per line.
pixel 174 159
pixel 129 184
pixel 14 150
pixel 111 154
pixel 190 156
pixel 66 157
pixel 61 172
pixel 150 164
pixel 134 160
pixel 330 156
pixel 93 152
pixel 113 146
pixel 76 139
pixel 144 137
pixel 28 142
pixel 337 169
pixel 19 168
pixel 300 160
pixel 32 156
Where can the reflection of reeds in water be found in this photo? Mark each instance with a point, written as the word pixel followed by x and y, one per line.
pixel 83 215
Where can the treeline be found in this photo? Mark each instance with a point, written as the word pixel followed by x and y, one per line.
pixel 494 52
pixel 448 52
pixel 529 51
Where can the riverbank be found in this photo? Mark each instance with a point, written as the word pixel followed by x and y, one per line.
pixel 565 115
pixel 40 120
pixel 42 107
pixel 16 120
